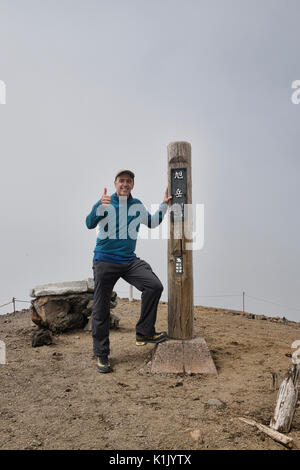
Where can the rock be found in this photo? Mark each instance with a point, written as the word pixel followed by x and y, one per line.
pixel 56 314
pixel 63 288
pixel 179 383
pixel 88 326
pixel 41 338
pixel 90 284
pixel 60 288
pixel 195 434
pixel 215 402
pixel 114 323
pixel 113 303
pixel 60 313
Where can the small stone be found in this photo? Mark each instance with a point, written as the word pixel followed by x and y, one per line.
pixel 56 353
pixel 179 383
pixel 215 402
pixel 41 338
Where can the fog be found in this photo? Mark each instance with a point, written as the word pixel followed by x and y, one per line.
pixel 96 86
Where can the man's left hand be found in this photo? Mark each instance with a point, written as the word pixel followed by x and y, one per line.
pixel 167 198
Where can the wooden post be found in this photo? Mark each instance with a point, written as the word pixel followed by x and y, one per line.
pixel 286 401
pixel 130 293
pixel 182 352
pixel 14 302
pixel 180 260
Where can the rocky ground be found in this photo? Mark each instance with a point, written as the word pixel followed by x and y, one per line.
pixel 52 397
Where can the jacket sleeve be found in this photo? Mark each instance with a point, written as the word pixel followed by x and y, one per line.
pixel 154 220
pixel 93 219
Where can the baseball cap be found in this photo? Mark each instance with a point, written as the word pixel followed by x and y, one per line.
pixel 130 173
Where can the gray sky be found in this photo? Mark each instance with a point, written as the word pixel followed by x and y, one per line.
pixel 94 86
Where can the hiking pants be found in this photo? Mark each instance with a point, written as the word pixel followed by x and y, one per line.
pixel 140 275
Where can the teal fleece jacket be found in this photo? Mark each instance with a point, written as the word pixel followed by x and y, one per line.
pixel 119 223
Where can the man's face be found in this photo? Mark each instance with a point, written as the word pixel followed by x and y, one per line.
pixel 124 184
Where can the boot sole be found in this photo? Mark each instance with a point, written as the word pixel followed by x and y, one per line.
pixel 154 341
pixel 104 371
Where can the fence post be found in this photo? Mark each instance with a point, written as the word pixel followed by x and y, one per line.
pixel 130 293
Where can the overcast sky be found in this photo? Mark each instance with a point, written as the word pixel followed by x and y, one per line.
pixel 97 85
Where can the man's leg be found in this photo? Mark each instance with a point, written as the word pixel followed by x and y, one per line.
pixel 141 276
pixel 105 277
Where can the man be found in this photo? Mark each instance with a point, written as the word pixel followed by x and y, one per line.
pixel 114 258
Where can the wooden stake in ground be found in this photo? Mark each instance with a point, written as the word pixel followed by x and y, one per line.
pixel 277 436
pixel 286 401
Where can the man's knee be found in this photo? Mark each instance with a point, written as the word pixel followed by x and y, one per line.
pixel 157 286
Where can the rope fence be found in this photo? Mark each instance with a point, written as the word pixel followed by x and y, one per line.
pixel 13 301
pixel 243 295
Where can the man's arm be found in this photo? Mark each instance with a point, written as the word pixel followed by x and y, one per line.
pixel 93 218
pixel 154 220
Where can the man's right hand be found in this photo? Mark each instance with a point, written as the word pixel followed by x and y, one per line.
pixel 105 200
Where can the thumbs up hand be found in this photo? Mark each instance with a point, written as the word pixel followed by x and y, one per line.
pixel 105 199
pixel 167 198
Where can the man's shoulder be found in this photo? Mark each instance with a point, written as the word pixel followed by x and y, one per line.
pixel 135 200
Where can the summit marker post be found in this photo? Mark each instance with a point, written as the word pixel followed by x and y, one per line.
pixel 180 260
pixel 183 352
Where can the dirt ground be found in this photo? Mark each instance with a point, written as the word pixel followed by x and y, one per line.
pixel 52 397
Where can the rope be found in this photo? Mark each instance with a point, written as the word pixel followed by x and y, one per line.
pixel 274 303
pixel 5 304
pixel 226 295
pixel 16 300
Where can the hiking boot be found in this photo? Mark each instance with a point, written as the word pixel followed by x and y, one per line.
pixel 141 340
pixel 103 364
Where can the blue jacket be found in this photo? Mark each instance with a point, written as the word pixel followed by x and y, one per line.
pixel 119 223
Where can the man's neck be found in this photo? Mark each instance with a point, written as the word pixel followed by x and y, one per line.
pixel 119 195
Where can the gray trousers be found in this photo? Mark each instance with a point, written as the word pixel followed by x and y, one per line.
pixel 140 275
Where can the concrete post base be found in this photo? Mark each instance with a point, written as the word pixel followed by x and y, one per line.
pixel 189 356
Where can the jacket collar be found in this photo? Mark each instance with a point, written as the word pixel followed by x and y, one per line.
pixel 116 198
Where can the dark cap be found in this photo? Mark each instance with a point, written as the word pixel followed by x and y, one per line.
pixel 130 173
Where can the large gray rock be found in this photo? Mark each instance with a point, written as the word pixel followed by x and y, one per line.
pixel 58 313
pixel 63 288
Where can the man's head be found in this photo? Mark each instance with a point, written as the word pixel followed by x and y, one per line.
pixel 124 182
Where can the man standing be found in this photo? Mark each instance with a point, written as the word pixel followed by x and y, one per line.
pixel 118 218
